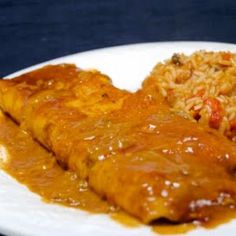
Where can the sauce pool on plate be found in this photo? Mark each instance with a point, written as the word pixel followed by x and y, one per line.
pixel 35 167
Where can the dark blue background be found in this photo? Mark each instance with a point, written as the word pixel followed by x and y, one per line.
pixel 32 31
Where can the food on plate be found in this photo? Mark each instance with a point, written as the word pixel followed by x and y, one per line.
pixel 34 166
pixel 92 92
pixel 131 148
pixel 201 87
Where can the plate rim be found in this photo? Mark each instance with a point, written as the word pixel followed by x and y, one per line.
pixel 117 47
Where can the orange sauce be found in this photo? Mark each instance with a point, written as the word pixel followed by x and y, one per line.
pixel 125 219
pixel 173 229
pixel 35 167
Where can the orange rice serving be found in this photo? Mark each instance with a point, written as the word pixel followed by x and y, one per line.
pixel 201 87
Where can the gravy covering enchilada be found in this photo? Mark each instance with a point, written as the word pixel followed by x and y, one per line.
pixel 130 148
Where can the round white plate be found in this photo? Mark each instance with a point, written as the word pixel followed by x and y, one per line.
pixel 23 213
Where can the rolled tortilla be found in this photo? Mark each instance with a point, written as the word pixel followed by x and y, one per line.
pixel 132 150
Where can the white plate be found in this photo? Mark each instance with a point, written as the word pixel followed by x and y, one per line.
pixel 23 213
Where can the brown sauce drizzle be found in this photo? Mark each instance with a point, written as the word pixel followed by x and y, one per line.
pixel 33 166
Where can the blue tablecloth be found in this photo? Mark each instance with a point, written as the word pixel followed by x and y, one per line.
pixel 32 31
